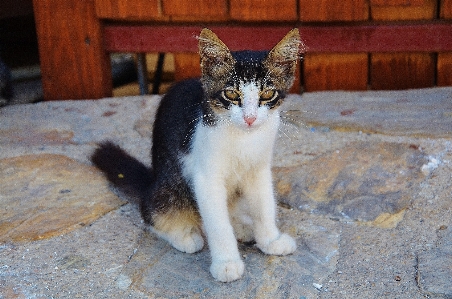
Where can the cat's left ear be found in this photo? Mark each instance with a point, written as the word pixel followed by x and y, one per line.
pixel 282 59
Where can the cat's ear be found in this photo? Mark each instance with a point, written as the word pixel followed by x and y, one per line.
pixel 216 59
pixel 282 59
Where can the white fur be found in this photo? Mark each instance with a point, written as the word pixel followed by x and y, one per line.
pixel 250 100
pixel 188 239
pixel 227 157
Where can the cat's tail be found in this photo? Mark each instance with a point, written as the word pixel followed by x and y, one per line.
pixel 125 172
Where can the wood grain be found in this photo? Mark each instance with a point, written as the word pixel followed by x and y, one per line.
pixel 397 10
pixel 336 71
pixel 445 10
pixel 258 10
pixel 74 64
pixel 129 9
pixel 186 65
pixel 402 70
pixel 202 10
pixel 431 37
pixel 444 69
pixel 328 10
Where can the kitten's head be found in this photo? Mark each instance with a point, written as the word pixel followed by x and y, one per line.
pixel 246 87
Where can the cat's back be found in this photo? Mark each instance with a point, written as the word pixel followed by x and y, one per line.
pixel 177 116
pixel 181 96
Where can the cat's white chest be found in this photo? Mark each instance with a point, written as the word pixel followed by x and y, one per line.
pixel 224 151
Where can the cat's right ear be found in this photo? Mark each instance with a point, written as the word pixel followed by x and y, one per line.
pixel 216 59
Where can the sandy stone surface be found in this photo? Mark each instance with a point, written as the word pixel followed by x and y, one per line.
pixel 368 182
pixel 47 195
pixel 370 208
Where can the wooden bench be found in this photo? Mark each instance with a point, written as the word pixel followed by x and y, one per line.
pixel 76 37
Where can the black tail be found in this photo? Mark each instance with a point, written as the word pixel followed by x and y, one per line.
pixel 124 171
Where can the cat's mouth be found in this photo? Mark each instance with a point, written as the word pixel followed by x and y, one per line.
pixel 249 123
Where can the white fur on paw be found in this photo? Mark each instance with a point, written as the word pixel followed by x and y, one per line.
pixel 226 271
pixel 187 240
pixel 283 245
pixel 190 243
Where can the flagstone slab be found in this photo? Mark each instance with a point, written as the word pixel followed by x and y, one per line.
pixel 47 195
pixel 371 183
pixel 420 113
pixel 435 266
pixel 159 270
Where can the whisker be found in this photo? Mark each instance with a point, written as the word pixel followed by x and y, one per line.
pixel 293 122
pixel 189 136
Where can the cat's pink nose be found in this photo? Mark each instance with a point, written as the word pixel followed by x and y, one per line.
pixel 250 120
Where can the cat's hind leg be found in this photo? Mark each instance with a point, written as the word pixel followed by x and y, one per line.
pixel 172 215
pixel 179 227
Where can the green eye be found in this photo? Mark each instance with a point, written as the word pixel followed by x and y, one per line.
pixel 268 94
pixel 231 95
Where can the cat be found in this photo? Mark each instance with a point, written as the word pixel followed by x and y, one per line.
pixel 213 140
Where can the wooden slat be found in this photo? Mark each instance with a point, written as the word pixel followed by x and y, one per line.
pixel 74 64
pixel 203 10
pixel 336 71
pixel 145 10
pixel 296 87
pixel 327 10
pixel 397 2
pixel 396 10
pixel 445 10
pixel 433 37
pixel 268 10
pixel 444 69
pixel 402 70
pixel 186 66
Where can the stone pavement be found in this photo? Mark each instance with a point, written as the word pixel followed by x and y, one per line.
pixel 363 181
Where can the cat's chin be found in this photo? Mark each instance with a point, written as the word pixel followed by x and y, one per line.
pixel 248 128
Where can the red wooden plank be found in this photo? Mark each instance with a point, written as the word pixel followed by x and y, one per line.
pixel 431 37
pixel 73 63
pixel 169 38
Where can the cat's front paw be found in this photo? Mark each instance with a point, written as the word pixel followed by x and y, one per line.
pixel 283 245
pixel 227 271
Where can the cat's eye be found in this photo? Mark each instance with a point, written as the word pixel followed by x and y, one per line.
pixel 268 94
pixel 231 95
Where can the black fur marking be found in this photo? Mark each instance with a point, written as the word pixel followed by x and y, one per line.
pixel 178 114
pixel 124 171
pixel 163 186
pixel 248 65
